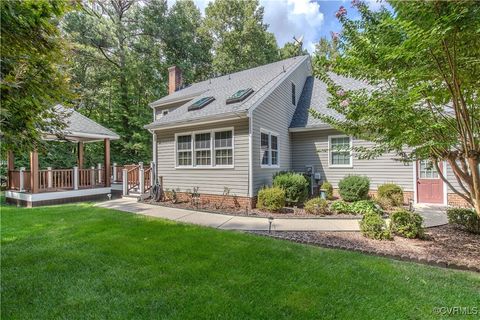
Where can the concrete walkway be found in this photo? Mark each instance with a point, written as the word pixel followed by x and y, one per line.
pixel 228 222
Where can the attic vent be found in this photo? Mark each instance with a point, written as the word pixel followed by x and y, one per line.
pixel 200 103
pixel 240 95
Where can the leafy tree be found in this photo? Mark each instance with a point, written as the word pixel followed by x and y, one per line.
pixel 118 69
pixel 34 69
pixel 240 37
pixel 290 50
pixel 326 51
pixel 186 45
pixel 423 64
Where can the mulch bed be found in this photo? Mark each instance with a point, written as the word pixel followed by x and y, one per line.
pixel 445 246
pixel 238 211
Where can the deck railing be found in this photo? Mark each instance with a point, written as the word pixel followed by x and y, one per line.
pixel 15 180
pixel 55 180
pixel 147 179
pixel 132 177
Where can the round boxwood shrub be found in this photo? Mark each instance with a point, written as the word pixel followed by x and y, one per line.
pixel 407 224
pixel 327 186
pixel 466 219
pixel 316 206
pixel 271 199
pixel 294 184
pixel 374 227
pixel 354 188
pixel 392 193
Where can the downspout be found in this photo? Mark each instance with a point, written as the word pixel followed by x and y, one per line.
pixel 250 153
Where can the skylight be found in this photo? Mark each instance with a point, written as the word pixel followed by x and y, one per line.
pixel 240 95
pixel 200 103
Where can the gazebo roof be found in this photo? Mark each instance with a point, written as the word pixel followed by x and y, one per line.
pixel 81 128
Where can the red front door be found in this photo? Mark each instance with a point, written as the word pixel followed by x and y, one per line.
pixel 429 184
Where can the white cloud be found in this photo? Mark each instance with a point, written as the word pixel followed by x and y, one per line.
pixel 287 18
pixel 294 17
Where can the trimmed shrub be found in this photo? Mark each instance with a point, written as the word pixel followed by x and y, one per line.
pixel 327 186
pixel 466 219
pixel 271 199
pixel 374 227
pixel 294 184
pixel 392 193
pixel 364 207
pixel 354 188
pixel 316 206
pixel 341 206
pixel 384 203
pixel 407 224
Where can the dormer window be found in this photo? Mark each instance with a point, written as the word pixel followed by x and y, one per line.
pixel 240 95
pixel 200 103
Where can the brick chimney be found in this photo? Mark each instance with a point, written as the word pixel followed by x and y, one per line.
pixel 174 79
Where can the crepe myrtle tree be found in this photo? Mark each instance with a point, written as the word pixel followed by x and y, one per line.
pixel 421 65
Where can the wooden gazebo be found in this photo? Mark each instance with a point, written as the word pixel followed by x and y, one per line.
pixel 35 186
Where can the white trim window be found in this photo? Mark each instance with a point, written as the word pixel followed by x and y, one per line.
pixel 269 152
pixel 340 151
pixel 205 149
pixel 203 155
pixel 184 150
pixel 224 148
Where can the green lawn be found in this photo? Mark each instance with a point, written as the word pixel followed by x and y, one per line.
pixel 78 261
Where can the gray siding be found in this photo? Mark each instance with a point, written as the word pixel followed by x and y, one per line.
pixel 210 181
pixel 275 114
pixel 310 148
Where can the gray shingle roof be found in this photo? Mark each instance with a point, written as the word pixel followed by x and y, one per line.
pixel 80 126
pixel 315 96
pixel 260 79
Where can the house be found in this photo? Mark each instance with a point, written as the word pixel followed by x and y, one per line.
pixel 228 135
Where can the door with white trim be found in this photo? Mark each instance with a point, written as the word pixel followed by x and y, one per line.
pixel 429 183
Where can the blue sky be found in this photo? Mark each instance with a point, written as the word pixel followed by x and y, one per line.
pixel 310 18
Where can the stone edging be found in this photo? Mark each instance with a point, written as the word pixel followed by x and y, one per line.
pixel 403 257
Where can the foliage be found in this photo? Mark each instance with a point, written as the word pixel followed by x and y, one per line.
pixel 290 50
pixel 294 184
pixel 407 224
pixel 327 186
pixel 326 52
pixel 316 206
pixel 354 188
pixel 34 74
pixel 392 193
pixel 271 199
pixel 240 37
pixel 364 207
pixel 374 227
pixel 340 206
pixel 463 218
pixel 115 256
pixel 420 61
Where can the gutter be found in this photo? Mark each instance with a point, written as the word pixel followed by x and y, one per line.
pixel 311 128
pixel 197 121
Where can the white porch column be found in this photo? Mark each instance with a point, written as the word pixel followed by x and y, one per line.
pixel 114 173
pixel 49 177
pixel 141 177
pixel 75 178
pixel 125 182
pixel 152 173
pixel 92 176
pixel 99 173
pixel 22 179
